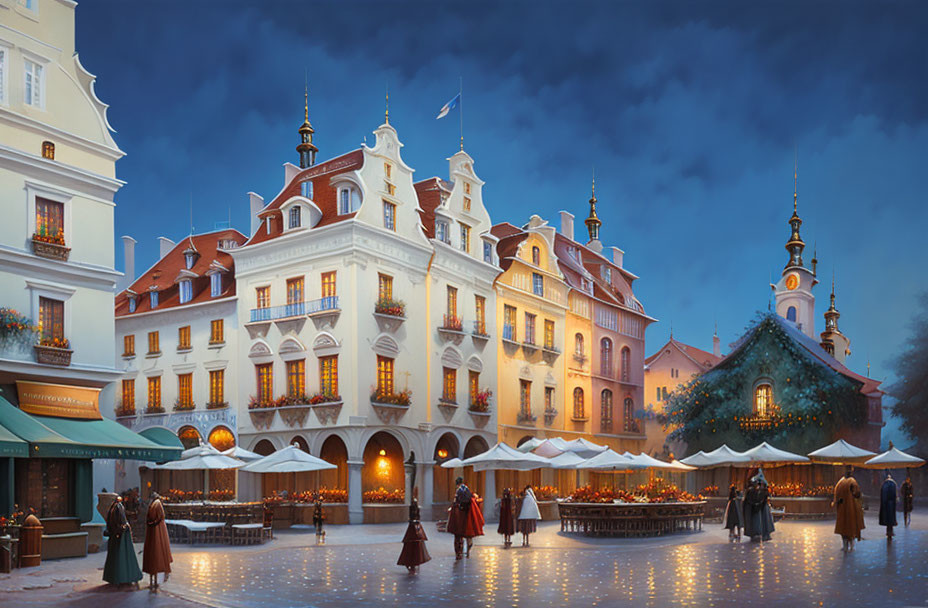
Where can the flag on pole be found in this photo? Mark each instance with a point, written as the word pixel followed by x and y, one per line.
pixel 449 106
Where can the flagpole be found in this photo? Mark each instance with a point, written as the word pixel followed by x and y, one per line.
pixel 461 109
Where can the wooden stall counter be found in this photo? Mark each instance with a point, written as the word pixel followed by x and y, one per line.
pixel 631 518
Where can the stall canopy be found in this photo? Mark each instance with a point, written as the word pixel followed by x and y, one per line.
pixel 584 448
pixel 649 462
pixel 611 460
pixel 547 449
pixel 766 454
pixel 290 459
pixel 841 452
pixel 452 463
pixel 700 460
pixel 503 457
pixel 242 454
pixel 52 437
pixel 567 460
pixel 202 457
pixel 162 436
pixel 530 444
pixel 894 459
pixel 11 445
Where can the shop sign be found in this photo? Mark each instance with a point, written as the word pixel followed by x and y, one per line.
pixel 59 400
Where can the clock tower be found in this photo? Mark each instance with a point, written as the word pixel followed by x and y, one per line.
pixel 793 292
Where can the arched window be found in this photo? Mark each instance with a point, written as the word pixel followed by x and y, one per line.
pixel 763 400
pixel 578 345
pixel 295 216
pixel 48 150
pixel 536 256
pixel 791 314
pixel 578 403
pixel 628 414
pixel 605 410
pixel 626 357
pixel 605 357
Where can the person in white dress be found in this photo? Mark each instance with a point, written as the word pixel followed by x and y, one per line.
pixel 528 515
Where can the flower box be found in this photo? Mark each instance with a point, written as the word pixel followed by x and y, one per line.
pixel 217 405
pixel 51 355
pixel 48 250
pixel 480 418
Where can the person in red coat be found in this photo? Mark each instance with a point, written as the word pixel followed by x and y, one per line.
pixel 465 520
pixel 506 525
pixel 156 555
pixel 414 552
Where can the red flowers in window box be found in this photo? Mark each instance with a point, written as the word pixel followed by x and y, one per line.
pixel 400 398
pixel 383 496
pixel 481 401
pixel 387 306
pixel 55 238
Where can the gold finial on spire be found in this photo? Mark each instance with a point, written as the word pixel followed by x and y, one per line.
pixel 593 190
pixel 593 222
pixel 306 100
pixel 386 114
pixel 795 181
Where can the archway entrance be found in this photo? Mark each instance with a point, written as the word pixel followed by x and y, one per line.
pixel 443 479
pixel 334 452
pixel 188 436
pixel 264 447
pixel 383 478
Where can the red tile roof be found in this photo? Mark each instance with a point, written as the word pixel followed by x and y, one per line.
pixel 324 195
pixel 701 357
pixel 429 192
pixel 164 273
pixel 510 238
pixel 619 292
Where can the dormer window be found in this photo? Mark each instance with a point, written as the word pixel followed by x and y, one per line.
pixel 441 231
pixel 190 258
pixel 306 189
pixel 349 200
pixel 153 298
pixel 185 289
pixel 607 273
pixel 487 252
pixel 132 303
pixel 215 285
pixel 294 217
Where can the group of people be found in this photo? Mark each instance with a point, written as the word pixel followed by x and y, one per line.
pixel 751 512
pixel 122 566
pixel 465 521
pixel 849 510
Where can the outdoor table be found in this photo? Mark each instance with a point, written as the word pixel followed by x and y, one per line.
pixel 247 534
pixel 630 518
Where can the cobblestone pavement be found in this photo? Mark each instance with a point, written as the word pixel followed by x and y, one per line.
pixel 802 566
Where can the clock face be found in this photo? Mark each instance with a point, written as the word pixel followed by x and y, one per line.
pixel 792 282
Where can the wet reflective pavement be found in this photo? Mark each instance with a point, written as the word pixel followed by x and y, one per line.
pixel 802 566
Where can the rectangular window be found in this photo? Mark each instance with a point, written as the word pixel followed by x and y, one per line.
pixel 509 322
pixel 49 220
pixel 265 374
pixel 51 321
pixel 154 346
pixel 185 390
pixel 467 188
pixel 328 284
pixel 128 345
pixel 389 188
pixel 466 203
pixel 452 302
pixel 34 84
pixel 465 238
pixel 295 291
pixel 388 171
pixel 384 375
pixel 328 375
pixel 183 337
pixel 216 331
pixel 3 71
pixel 607 273
pixel 263 297
pixel 185 291
pixel 529 328
pixel 128 396
pixel 384 287
pixel 549 334
pixel 549 398
pixel 538 284
pixel 441 231
pixel 658 392
pixel 450 385
pixel 525 397
pixel 344 201
pixel 217 383
pixel 295 216
pixel 153 298
pixel 306 189
pixel 480 315
pixel 487 252
pixel 296 378
pixel 154 393
pixel 389 216
pixel 473 384
pixel 215 285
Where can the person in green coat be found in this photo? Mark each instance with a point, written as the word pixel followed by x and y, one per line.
pixel 121 567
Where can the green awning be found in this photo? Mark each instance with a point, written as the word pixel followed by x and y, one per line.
pixel 11 445
pixel 51 437
pixel 162 436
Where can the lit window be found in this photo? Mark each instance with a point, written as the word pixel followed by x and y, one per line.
pixel 466 203
pixel 263 297
pixel 185 391
pixel 328 284
pixel 605 357
pixel 384 375
pixel 48 150
pixel 216 332
pixel 525 397
pixel 549 399
pixel 509 322
pixel 536 256
pixel 450 388
pixel 306 189
pixel 389 216
pixel 296 378
pixel 473 385
pixel 265 374
pixel 389 188
pixel 578 403
pixel 452 301
pixel 295 291
pixel 487 252
pixel 480 314
pixel 215 284
pixel 128 397
pixel 549 334
pixel 128 345
pixel 34 84
pixel 529 328
pixel 154 393
pixel 628 414
pixel 295 216
pixel 388 170
pixel 763 399
pixel 626 356
pixel 538 284
pixel 328 375
pixel 49 221
pixel 385 287
pixel 154 346
pixel 186 291
pixel 465 238
pixel 217 386
pixel 605 409
pixel 183 337
pixel 153 298
pixel 51 322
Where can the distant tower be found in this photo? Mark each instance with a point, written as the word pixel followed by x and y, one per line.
pixel 593 222
pixel 306 148
pixel 716 342
pixel 833 341
pixel 793 292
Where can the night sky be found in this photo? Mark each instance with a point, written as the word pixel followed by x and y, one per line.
pixel 691 114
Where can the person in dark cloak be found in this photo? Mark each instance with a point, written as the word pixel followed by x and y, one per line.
pixel 908 497
pixel 122 566
pixel 888 505
pixel 319 518
pixel 414 551
pixel 734 514
pixel 507 526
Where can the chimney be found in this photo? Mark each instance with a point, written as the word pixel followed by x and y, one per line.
pixel 128 247
pixel 257 204
pixel 567 224
pixel 165 245
pixel 617 256
pixel 290 171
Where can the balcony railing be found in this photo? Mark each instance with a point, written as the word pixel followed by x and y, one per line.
pixel 297 309
pixel 480 328
pixel 509 333
pixel 452 323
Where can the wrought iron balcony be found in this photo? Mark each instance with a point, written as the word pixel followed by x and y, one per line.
pixel 297 309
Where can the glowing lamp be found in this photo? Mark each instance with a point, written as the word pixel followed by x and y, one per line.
pixel 383 452
pixel 442 453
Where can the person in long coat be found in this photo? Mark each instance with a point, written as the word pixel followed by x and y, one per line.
pixel 734 514
pixel 319 519
pixel 908 497
pixel 529 515
pixel 465 520
pixel 156 556
pixel 847 523
pixel 747 508
pixel 888 505
pixel 758 519
pixel 121 567
pixel 414 552
pixel 507 526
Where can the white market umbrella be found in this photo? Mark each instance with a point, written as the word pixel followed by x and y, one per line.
pixel 452 463
pixel 725 456
pixel 841 452
pixel 504 457
pixel 649 462
pixel 290 459
pixel 767 455
pixel 530 445
pixel 547 449
pixel 610 460
pixel 679 466
pixel 894 458
pixel 242 454
pixel 698 460
pixel 204 457
pixel 584 448
pixel 567 460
